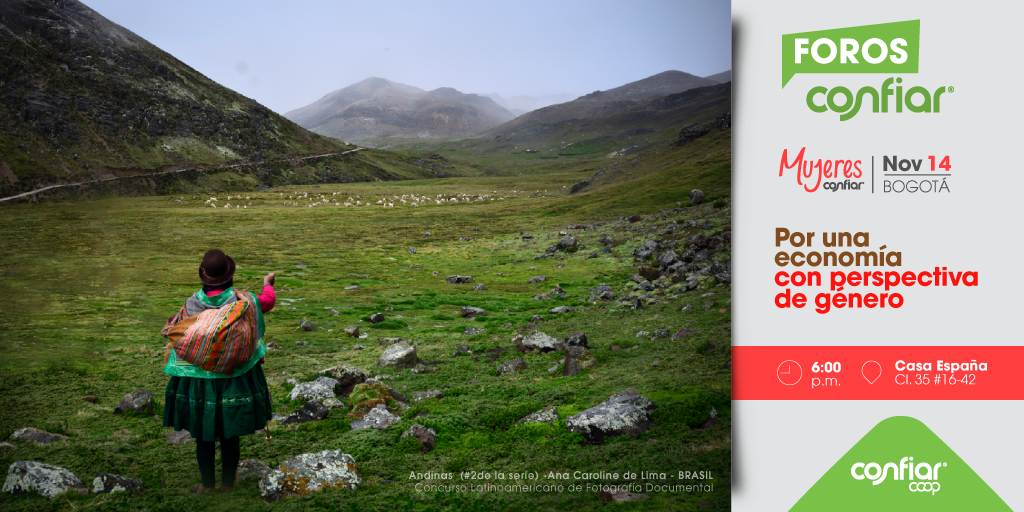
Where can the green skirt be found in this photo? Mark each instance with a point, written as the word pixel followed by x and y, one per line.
pixel 212 408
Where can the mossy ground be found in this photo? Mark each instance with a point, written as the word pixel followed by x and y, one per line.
pixel 89 285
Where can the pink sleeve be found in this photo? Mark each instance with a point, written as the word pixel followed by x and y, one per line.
pixel 267 298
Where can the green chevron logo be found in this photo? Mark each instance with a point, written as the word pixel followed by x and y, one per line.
pixel 900 465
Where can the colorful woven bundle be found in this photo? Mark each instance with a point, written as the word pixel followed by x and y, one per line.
pixel 221 339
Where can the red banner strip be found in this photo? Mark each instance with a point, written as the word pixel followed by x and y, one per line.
pixel 877 373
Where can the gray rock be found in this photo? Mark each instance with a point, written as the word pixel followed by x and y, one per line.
pixel 576 339
pixel 420 396
pixel 426 233
pixel 352 287
pixel 315 390
pixel 696 197
pixel 25 476
pixel 469 311
pixel 334 312
pixel 333 403
pixel 36 436
pixel 302 343
pixel 480 287
pixel 470 331
pixel 139 400
pixel 307 325
pixel 106 483
pixel 647 250
pixel 536 318
pixel 376 318
pixel 309 473
pixel 593 254
pixel 179 436
pixel 633 218
pixel 561 309
pixel 251 468
pixel 425 436
pixel 379 418
pixel 660 334
pixel 542 296
pixel 459 279
pixel 577 359
pixel 347 377
pixel 623 413
pixel 606 249
pixel 513 366
pixel 314 410
pixel 292 382
pixel 536 279
pixel 557 291
pixel 352 331
pixel 568 243
pixel 358 347
pixel 547 415
pixel 412 250
pixel 401 355
pixel 540 341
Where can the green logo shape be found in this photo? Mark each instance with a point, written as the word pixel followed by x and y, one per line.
pixel 884 486
pixel 883 48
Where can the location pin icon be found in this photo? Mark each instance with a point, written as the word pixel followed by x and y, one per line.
pixel 871 371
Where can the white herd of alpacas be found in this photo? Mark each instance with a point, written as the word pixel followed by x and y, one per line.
pixel 411 200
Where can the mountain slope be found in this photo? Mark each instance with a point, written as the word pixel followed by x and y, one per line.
pixel 721 78
pixel 377 107
pixel 603 103
pixel 82 97
pixel 600 128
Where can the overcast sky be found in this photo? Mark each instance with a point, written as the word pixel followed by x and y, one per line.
pixel 289 54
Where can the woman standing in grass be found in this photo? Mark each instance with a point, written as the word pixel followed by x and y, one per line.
pixel 217 388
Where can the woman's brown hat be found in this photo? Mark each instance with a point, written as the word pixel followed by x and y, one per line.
pixel 217 268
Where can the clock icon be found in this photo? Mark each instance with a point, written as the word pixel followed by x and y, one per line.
pixel 789 372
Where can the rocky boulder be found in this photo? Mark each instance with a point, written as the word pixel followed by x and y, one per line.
pixel 352 331
pixel 179 436
pixel 625 412
pixel 37 436
pixel 306 325
pixel 425 436
pixel 140 401
pixel 469 311
pixel 538 340
pixel 459 279
pixel 546 415
pixel 50 481
pixel 400 355
pixel 576 339
pixel 251 468
pixel 106 483
pixel 536 279
pixel 346 376
pixel 309 473
pixel 646 250
pixel 561 309
pixel 568 244
pixel 696 197
pixel 557 291
pixel 314 410
pixel 315 390
pixel 577 359
pixel 376 318
pixel 379 418
pixel 479 287
pixel 513 366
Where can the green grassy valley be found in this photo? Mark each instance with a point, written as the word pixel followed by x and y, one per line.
pixel 91 284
